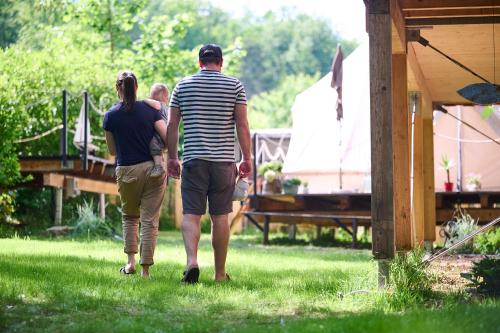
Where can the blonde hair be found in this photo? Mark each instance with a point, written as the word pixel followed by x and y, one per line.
pixel 158 89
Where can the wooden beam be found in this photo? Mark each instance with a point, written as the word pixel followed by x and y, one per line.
pixel 398 28
pixel 421 83
pixel 417 209
pixel 418 22
pixel 445 4
pixel 400 143
pixel 53 180
pixel 96 186
pixel 83 184
pixel 470 12
pixel 380 38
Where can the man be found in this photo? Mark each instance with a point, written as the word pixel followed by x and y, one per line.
pixel 210 104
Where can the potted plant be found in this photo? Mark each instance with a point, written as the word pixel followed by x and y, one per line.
pixel 291 185
pixel 447 164
pixel 271 172
pixel 473 182
pixel 305 187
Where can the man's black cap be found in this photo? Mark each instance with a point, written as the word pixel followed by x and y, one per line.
pixel 210 51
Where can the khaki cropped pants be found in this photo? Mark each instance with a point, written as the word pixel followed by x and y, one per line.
pixel 141 198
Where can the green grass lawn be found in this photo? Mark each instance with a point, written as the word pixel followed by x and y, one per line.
pixel 74 286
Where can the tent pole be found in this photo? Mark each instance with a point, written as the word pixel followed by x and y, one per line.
pixel 459 149
pixel 254 144
pixel 340 154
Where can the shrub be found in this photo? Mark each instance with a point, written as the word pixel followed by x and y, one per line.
pixel 488 243
pixel 6 207
pixel 486 276
pixel 458 229
pixel 89 225
pixel 410 283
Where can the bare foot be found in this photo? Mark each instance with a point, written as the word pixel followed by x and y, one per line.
pixel 222 278
pixel 145 272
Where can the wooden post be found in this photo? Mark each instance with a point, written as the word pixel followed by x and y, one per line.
pixel 318 231
pixel 382 209
pixel 401 155
pixel 266 230
pixel 292 231
pixel 428 175
pixel 102 206
pixel 59 206
pixel 417 212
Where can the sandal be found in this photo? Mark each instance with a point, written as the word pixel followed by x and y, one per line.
pixel 123 270
pixel 191 275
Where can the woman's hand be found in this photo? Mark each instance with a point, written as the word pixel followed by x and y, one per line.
pixel 152 103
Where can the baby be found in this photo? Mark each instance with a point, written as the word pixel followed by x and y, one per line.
pixel 158 93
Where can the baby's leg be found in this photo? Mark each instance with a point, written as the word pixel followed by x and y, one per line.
pixel 156 150
pixel 158 160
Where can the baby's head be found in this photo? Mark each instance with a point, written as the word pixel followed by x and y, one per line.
pixel 159 92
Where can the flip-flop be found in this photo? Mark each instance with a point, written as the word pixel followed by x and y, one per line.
pixel 191 275
pixel 123 270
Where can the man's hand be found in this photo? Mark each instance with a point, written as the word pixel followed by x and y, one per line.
pixel 245 168
pixel 173 168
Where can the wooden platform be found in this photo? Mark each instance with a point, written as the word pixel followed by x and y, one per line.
pixel 484 206
pixel 51 171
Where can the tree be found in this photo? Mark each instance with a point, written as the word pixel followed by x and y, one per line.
pixel 113 18
pixel 209 23
pixel 284 44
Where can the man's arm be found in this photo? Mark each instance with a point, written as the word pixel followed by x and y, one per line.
pixel 161 129
pixel 243 132
pixel 174 119
pixel 110 142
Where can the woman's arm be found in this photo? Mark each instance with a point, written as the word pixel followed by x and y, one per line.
pixel 110 142
pixel 161 129
pixel 152 103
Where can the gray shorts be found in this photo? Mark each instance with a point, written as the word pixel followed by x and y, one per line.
pixel 156 146
pixel 202 180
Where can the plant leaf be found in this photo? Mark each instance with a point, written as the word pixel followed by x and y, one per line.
pixel 487 112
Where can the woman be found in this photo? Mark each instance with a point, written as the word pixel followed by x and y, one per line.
pixel 130 126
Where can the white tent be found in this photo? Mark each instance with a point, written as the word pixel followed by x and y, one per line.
pixel 314 154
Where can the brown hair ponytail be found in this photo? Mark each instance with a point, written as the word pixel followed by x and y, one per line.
pixel 126 86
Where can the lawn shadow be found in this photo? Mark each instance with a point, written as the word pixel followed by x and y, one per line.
pixel 88 291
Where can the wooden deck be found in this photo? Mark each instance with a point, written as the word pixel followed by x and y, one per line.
pixel 484 206
pixel 51 171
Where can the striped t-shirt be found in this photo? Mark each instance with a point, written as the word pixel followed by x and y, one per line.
pixel 206 101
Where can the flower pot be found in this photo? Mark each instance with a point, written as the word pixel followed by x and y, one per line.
pixel 273 187
pixel 291 189
pixel 448 187
pixel 472 187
